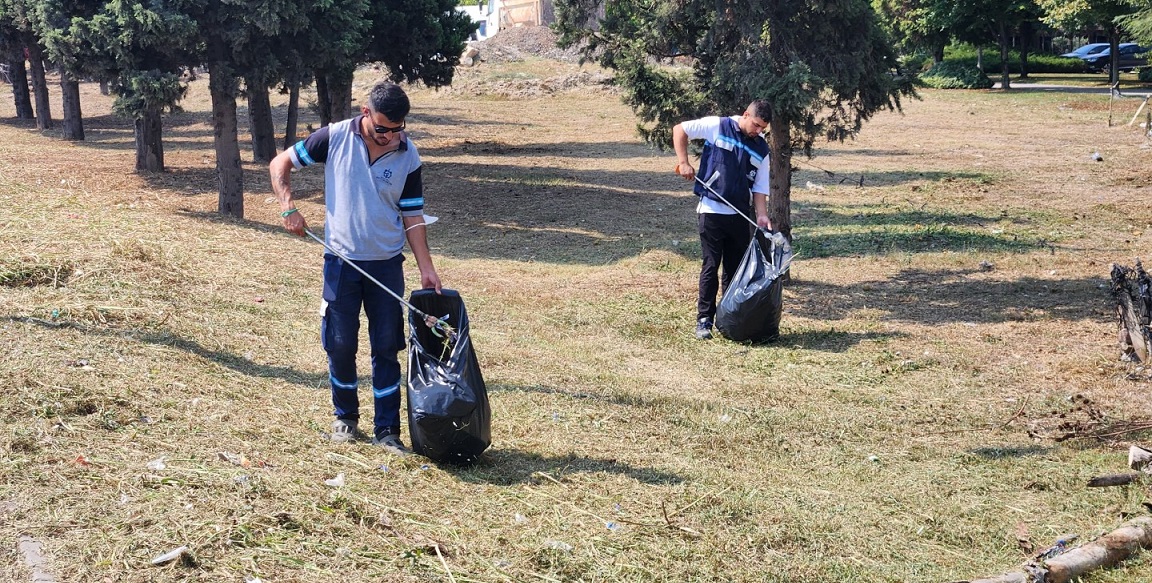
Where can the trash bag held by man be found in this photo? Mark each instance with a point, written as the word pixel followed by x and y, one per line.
pixel 449 418
pixel 749 310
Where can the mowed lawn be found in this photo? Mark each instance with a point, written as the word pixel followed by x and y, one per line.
pixel 947 379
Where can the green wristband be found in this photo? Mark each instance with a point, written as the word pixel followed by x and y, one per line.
pixel 288 212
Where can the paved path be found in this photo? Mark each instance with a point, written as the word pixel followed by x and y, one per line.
pixel 1100 90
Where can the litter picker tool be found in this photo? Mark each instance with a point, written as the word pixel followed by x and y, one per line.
pixel 712 180
pixel 438 325
pixel 776 238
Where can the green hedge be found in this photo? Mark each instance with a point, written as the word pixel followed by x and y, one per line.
pixel 955 75
pixel 1037 62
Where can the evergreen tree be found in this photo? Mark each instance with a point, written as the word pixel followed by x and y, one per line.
pixel 17 16
pixel 825 65
pixel 52 22
pixel 12 53
pixel 137 49
pixel 416 40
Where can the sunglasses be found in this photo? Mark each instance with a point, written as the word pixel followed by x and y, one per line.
pixel 392 130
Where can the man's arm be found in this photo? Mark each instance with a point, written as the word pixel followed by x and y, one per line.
pixel 760 201
pixel 280 170
pixel 680 144
pixel 417 234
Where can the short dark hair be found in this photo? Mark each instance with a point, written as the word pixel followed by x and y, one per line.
pixel 389 99
pixel 760 108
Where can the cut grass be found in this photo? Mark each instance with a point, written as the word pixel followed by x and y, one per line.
pixel 938 320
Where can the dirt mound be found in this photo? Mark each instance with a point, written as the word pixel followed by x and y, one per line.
pixel 472 82
pixel 517 42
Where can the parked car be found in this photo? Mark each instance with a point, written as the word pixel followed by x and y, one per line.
pixel 1086 50
pixel 1131 57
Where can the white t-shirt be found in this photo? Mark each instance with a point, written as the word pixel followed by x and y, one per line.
pixel 708 129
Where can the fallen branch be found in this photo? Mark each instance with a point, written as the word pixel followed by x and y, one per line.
pixel 1105 551
pixel 1113 480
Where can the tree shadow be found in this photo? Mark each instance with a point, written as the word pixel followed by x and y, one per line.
pixel 819 177
pixel 996 453
pixel 830 340
pixel 511 466
pixel 165 338
pixel 497 148
pixel 951 296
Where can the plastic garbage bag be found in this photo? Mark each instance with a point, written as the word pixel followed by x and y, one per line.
pixel 750 308
pixel 449 418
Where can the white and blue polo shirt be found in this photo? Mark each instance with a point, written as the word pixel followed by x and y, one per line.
pixel 364 199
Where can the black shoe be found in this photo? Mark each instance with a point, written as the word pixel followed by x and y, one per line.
pixel 704 329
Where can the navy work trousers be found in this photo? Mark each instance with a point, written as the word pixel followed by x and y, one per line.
pixel 345 292
pixel 723 241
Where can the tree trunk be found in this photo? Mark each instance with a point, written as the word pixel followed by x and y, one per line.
pixel 73 118
pixel 1027 39
pixel 21 96
pixel 104 87
pixel 290 138
pixel 223 86
pixel 1113 55
pixel 938 53
pixel 1005 74
pixel 780 179
pixel 322 101
pixel 340 94
pixel 260 123
pixel 149 144
pixel 39 87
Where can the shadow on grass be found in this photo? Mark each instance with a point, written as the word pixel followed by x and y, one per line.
pixel 160 338
pixel 943 296
pixel 996 453
pixel 830 340
pixel 506 467
pixel 814 177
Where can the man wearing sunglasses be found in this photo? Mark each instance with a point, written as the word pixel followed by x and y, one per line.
pixel 735 147
pixel 374 199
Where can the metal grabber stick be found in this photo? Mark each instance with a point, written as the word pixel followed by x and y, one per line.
pixel 438 325
pixel 712 180
pixel 776 238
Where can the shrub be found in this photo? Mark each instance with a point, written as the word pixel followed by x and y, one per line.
pixel 953 75
pixel 1037 62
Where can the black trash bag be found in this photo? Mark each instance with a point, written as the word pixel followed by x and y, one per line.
pixel 749 310
pixel 449 418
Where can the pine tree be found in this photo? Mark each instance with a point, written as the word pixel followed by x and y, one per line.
pixel 825 65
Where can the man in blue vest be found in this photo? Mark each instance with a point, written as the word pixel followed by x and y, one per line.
pixel 735 148
pixel 374 199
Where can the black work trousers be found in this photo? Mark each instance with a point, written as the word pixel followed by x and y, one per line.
pixel 723 241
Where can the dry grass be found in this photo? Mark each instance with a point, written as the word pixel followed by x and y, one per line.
pixel 902 429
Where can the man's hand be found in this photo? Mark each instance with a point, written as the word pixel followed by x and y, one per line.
pixel 763 222
pixel 295 224
pixel 430 280
pixel 686 171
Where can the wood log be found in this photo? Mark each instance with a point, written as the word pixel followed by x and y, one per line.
pixel 1105 551
pixel 1138 457
pixel 1113 480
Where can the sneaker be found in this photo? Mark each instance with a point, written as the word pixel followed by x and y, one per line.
pixel 704 329
pixel 343 431
pixel 391 443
